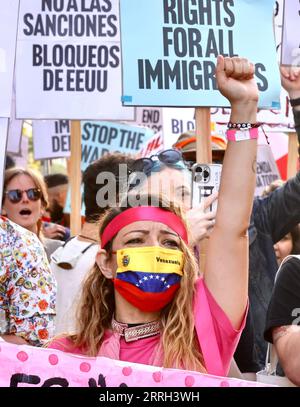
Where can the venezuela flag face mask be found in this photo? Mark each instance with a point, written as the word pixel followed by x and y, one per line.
pixel 148 277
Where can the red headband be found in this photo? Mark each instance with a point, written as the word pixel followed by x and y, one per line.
pixel 143 213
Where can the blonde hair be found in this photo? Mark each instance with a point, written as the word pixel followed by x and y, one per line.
pixel 38 181
pixel 95 312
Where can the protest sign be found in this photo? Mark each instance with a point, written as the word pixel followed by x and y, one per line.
pixel 14 136
pixel 169 50
pixel 290 47
pixel 266 169
pixel 8 36
pixel 21 158
pixel 3 138
pixel 23 366
pixel 99 138
pixel 150 117
pixel 51 139
pixel 154 146
pixel 69 53
pixel 14 128
pixel 274 120
pixel 177 121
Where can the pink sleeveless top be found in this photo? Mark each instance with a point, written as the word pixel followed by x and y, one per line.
pixel 217 337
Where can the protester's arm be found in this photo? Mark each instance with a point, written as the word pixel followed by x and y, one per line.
pixel 279 212
pixel 290 80
pixel 286 340
pixel 226 269
pixel 17 340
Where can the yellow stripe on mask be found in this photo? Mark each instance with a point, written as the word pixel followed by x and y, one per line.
pixel 150 260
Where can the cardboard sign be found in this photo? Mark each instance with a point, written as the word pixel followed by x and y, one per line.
pixel 8 36
pixel 69 60
pixel 266 169
pixel 23 366
pixel 169 50
pixel 99 138
pixel 290 48
pixel 151 117
pixel 51 139
pixel 3 138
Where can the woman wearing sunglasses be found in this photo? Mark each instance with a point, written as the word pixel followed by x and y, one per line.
pixel 142 302
pixel 24 201
pixel 167 173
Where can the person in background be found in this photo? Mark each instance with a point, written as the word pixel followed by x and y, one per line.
pixel 70 264
pixel 186 143
pixel 24 202
pixel 130 312
pixel 27 287
pixel 167 173
pixel 57 225
pixel 282 327
pixel 290 243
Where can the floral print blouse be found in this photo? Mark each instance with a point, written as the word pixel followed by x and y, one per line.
pixel 27 287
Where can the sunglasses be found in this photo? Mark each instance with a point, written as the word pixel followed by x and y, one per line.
pixel 15 195
pixel 146 164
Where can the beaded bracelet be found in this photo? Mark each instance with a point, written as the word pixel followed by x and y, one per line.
pixel 240 135
pixel 242 126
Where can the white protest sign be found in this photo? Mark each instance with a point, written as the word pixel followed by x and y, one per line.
pixel 3 138
pixel 21 159
pixel 14 128
pixel 51 139
pixel 69 60
pixel 175 122
pixel 274 120
pixel 181 120
pixel 151 117
pixel 266 169
pixel 290 47
pixel 8 35
pixel 14 136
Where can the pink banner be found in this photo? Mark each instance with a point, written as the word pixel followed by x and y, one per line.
pixel 23 366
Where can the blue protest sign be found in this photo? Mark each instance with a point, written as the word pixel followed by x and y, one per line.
pixel 99 138
pixel 169 49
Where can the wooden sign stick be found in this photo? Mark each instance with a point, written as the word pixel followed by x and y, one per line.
pixel 203 156
pixel 75 177
pixel 292 155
